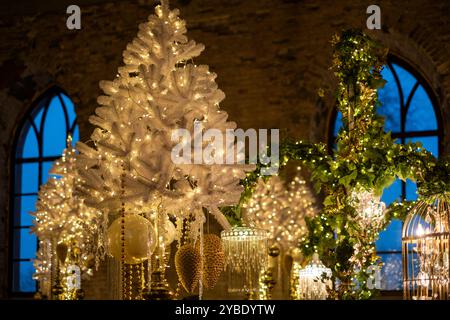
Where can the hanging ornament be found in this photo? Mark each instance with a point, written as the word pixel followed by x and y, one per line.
pixel 369 208
pixel 188 266
pixel 213 260
pixel 245 257
pixel 169 232
pixel 139 239
pixel 157 287
pixel 426 250
pixel 313 280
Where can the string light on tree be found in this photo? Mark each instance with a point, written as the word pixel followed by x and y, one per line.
pixel 64 220
pixel 369 208
pixel 158 90
pixel 281 210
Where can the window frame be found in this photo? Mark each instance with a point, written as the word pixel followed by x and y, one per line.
pixel 403 134
pixel 41 101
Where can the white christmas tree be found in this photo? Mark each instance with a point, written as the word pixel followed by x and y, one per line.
pixel 281 210
pixel 61 217
pixel 157 91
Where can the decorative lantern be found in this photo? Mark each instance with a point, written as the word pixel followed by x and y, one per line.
pixel 369 208
pixel 245 251
pixel 425 250
pixel 313 280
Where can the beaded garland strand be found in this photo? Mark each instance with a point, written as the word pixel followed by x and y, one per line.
pixel 122 237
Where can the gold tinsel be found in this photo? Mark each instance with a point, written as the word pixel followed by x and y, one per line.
pixel 214 260
pixel 188 266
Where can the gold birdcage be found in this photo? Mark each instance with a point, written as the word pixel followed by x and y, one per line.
pixel 425 251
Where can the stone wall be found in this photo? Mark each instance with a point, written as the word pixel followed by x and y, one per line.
pixel 271 57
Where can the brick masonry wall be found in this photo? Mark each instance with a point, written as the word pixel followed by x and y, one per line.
pixel 271 57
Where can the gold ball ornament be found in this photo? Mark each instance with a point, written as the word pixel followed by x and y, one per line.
pixel 274 251
pixel 213 259
pixel 188 266
pixel 138 235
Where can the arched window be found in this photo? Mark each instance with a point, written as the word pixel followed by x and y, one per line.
pixel 41 140
pixel 411 114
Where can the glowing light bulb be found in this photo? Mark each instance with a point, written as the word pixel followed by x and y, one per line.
pixel 420 230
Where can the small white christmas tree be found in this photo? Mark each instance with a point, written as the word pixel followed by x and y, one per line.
pixel 63 218
pixel 157 91
pixel 281 210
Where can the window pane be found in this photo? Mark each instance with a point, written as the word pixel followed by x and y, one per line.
pixel 26 242
pixel 27 177
pixel 391 238
pixel 28 143
pixel 54 134
pixel 337 124
pixel 23 276
pixel 407 81
pixel 392 193
pixel 54 129
pixel 75 136
pixel 391 273
pixel 411 190
pixel 420 114
pixel 46 167
pixel 22 207
pixel 429 143
pixel 390 102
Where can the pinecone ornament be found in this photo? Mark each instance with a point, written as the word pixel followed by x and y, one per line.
pixel 214 260
pixel 188 266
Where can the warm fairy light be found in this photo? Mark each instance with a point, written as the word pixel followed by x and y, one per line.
pixel 157 90
pixel 423 279
pixel 425 235
pixel 281 210
pixel 420 231
pixel 63 218
pixel 369 208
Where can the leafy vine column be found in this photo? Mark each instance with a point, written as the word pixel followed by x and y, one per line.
pixel 365 162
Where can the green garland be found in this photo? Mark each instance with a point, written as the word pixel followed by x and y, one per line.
pixel 366 158
pixel 314 154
